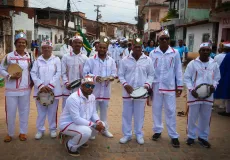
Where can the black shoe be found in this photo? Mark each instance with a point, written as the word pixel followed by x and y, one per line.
pixel 204 143
pixel 175 143
pixel 224 114
pixel 85 145
pixel 190 141
pixel 156 136
pixel 74 154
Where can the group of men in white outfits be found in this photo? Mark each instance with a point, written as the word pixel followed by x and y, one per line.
pixel 160 73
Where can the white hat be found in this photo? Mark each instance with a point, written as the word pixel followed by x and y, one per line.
pixel 20 35
pixel 206 44
pixel 87 79
pixel 226 45
pixel 77 37
pixel 46 43
pixel 164 32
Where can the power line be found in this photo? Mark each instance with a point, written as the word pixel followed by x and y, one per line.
pixel 97 10
pixel 75 5
pixel 108 5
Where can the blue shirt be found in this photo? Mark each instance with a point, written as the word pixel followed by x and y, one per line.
pixel 149 49
pixel 182 50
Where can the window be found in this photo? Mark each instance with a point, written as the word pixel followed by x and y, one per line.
pixel 190 42
pixel 205 37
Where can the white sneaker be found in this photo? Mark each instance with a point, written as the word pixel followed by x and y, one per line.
pixel 107 134
pixel 124 140
pixel 38 135
pixel 53 134
pixel 140 140
pixel 92 138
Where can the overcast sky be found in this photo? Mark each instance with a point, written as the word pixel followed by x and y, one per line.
pixel 114 10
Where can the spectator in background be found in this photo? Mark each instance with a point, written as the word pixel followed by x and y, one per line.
pixel 144 46
pixel 151 46
pixel 173 44
pixel 182 49
pixel 32 45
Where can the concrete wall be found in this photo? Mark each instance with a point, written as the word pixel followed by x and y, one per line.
pixel 22 22
pixel 198 32
pixel 179 33
pixel 196 14
pixel 59 33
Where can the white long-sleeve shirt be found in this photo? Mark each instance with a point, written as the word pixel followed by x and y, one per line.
pixel 79 110
pixel 64 50
pixel 138 73
pixel 219 58
pixel 94 66
pixel 72 69
pixel 127 52
pixel 168 70
pixel 47 73
pixel 197 73
pixel 21 86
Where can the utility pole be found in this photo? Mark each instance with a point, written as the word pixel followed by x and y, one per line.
pixel 98 17
pixel 67 17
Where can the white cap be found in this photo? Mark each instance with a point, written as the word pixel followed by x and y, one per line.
pixel 206 44
pixel 77 37
pixel 46 43
pixel 87 79
pixel 226 45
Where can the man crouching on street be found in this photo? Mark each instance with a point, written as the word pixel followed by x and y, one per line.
pixel 79 118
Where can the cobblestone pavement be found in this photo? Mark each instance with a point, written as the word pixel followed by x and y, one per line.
pixel 109 149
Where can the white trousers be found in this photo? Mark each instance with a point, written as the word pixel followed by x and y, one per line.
pixel 200 113
pixel 135 108
pixel 51 112
pixel 80 134
pixel 23 105
pixel 169 103
pixel 64 102
pixel 102 107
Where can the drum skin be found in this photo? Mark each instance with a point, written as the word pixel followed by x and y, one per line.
pixel 45 99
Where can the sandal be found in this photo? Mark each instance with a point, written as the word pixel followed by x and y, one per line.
pixel 181 114
pixel 22 137
pixel 7 139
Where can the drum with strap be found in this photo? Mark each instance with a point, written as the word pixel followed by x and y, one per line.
pixel 203 91
pixel 140 92
pixel 45 98
pixel 75 84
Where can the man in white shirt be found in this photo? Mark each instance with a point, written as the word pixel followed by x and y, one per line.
pixel 135 71
pixel 102 66
pixel 72 67
pixel 66 48
pixel 202 70
pixel 166 85
pixel 79 118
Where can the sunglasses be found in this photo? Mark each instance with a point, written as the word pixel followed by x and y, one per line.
pixel 205 50
pixel 164 38
pixel 90 86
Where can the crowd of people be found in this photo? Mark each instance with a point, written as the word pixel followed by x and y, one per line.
pixel 157 69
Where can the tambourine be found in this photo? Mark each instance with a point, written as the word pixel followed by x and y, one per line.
pixel 14 68
pixel 75 84
pixel 140 92
pixel 203 91
pixel 110 78
pixel 45 99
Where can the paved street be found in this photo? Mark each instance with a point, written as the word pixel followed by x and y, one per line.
pixel 109 149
